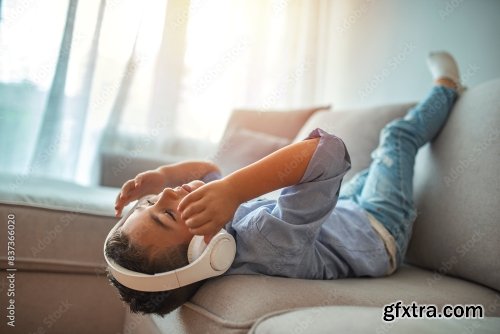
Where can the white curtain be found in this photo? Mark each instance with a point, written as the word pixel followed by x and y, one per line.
pixel 255 54
pixel 63 66
pixel 78 78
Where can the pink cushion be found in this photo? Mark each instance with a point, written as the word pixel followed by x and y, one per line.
pixel 280 123
pixel 241 147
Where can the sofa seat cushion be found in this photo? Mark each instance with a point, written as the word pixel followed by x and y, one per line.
pixel 236 302
pixel 345 319
pixel 59 226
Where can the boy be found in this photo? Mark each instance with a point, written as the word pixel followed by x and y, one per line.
pixel 312 231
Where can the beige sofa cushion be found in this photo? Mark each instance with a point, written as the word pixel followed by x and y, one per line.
pixel 457 189
pixel 361 320
pixel 233 303
pixel 359 129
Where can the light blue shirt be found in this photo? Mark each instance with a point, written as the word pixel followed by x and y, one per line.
pixel 307 232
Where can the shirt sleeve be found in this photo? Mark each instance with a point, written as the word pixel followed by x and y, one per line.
pixel 293 223
pixel 316 195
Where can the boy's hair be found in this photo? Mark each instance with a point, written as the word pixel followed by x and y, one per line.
pixel 122 251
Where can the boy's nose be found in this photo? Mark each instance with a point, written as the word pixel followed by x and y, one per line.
pixel 168 193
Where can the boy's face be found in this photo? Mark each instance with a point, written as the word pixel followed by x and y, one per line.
pixel 156 223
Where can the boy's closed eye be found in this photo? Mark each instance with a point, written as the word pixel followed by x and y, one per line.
pixel 166 211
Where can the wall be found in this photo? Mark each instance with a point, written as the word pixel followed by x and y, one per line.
pixel 383 44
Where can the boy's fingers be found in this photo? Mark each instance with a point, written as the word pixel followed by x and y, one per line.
pixel 121 200
pixel 188 199
pixel 197 220
pixel 138 180
pixel 118 204
pixel 205 229
pixel 125 195
pixel 184 203
pixel 191 210
pixel 127 188
pixel 117 200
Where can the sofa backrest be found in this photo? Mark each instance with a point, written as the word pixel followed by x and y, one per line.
pixel 358 128
pixel 457 190
pixel 457 181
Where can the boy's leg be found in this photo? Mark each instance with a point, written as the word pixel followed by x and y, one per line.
pixel 352 189
pixel 388 190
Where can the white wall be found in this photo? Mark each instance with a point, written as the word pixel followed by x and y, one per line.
pixel 383 44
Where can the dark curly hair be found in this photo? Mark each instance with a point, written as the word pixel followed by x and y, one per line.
pixel 122 251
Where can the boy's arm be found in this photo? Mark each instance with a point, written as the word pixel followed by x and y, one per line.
pixel 154 181
pixel 207 209
pixel 184 172
pixel 280 169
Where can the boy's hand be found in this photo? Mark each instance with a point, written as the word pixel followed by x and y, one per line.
pixel 207 209
pixel 149 182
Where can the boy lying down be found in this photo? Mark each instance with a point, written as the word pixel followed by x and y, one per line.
pixel 314 230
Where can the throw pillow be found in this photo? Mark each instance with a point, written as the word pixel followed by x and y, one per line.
pixel 242 147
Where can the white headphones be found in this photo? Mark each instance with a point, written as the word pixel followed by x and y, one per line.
pixel 205 261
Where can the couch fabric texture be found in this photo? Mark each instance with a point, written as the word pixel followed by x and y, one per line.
pixel 232 304
pixel 453 255
pixel 59 234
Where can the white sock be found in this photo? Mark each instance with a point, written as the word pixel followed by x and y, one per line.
pixel 443 65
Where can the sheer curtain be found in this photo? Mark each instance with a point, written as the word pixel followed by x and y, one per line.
pixel 64 67
pixel 78 78
pixel 254 54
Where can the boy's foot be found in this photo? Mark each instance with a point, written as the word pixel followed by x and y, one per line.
pixel 444 68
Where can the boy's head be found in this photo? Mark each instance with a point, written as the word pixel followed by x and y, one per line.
pixel 153 239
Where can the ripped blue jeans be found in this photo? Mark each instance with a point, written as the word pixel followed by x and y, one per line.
pixel 385 189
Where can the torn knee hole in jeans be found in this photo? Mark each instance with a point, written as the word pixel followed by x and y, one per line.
pixel 387 161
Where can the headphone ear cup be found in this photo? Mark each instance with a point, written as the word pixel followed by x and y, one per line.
pixel 223 252
pixel 196 248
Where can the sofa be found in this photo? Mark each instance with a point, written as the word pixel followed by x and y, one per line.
pixel 453 257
